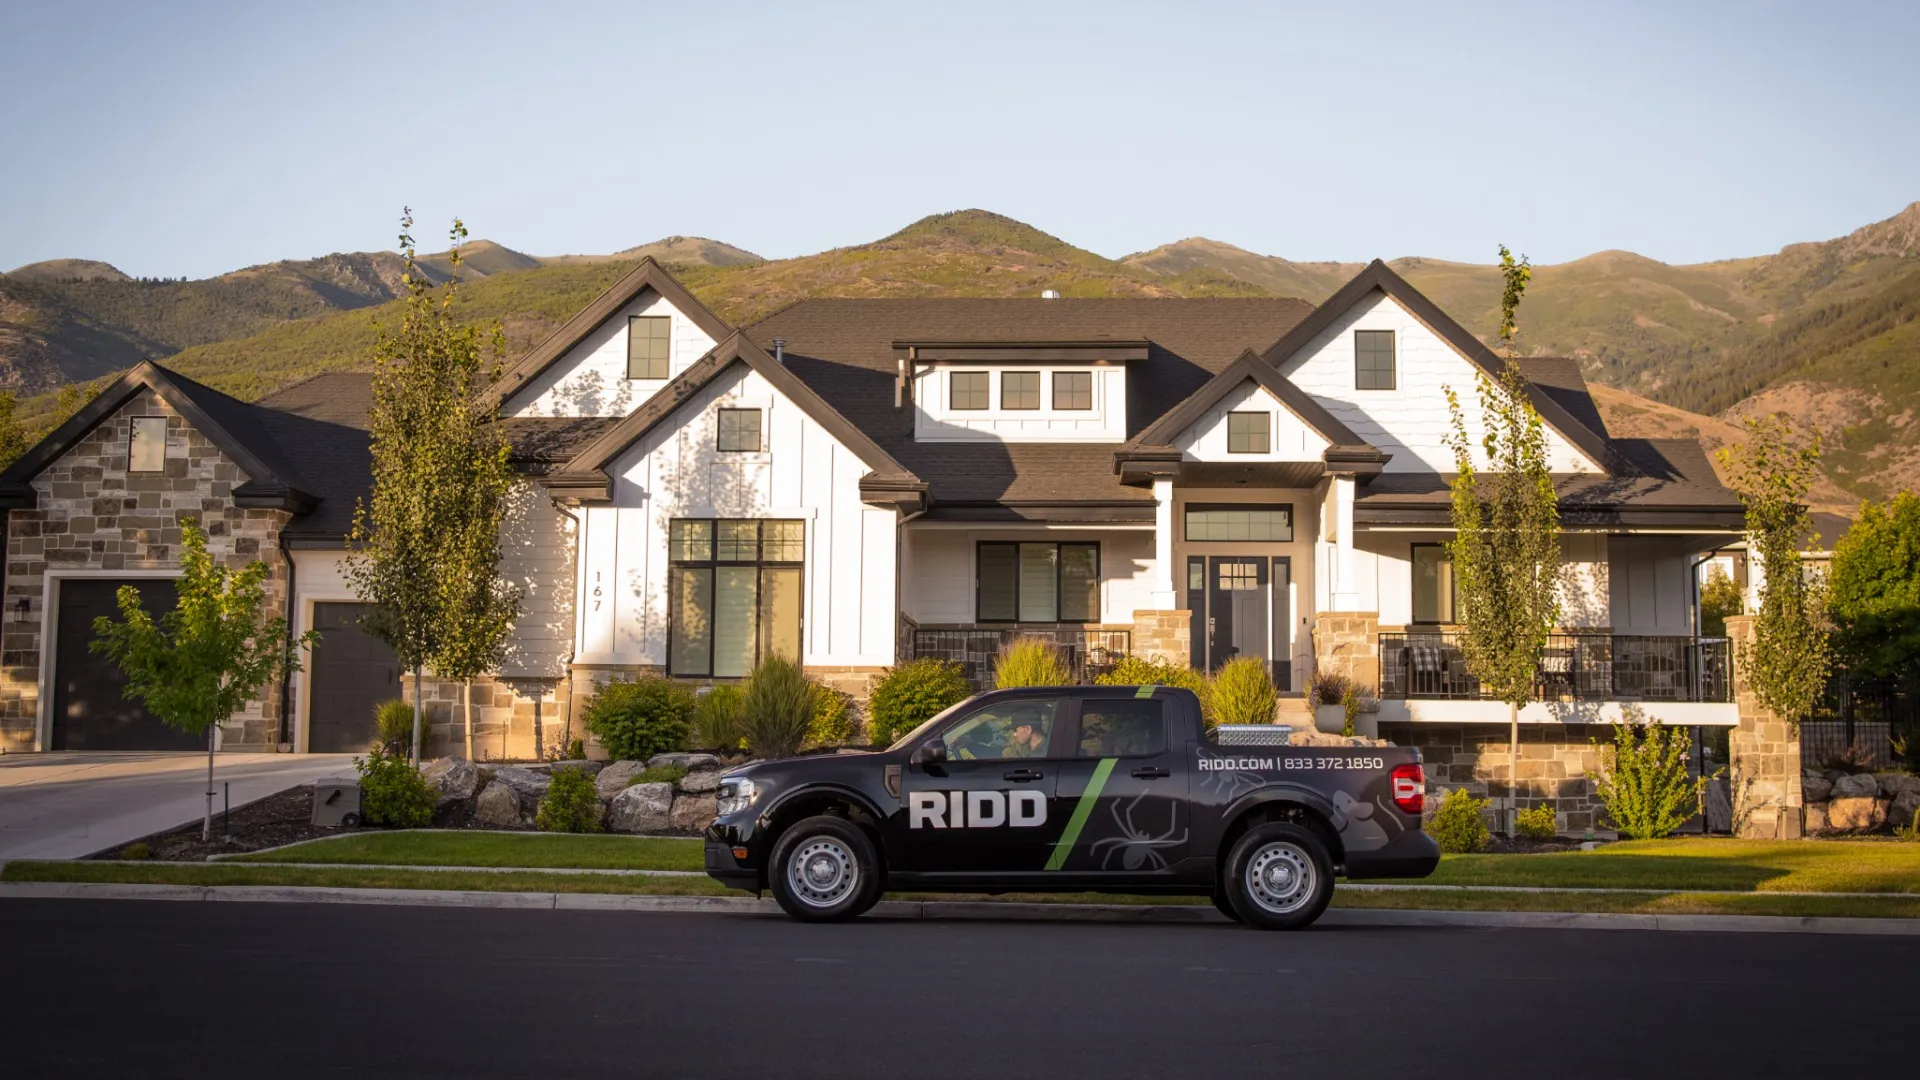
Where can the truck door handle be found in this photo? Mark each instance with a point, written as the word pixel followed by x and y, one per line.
pixel 1021 776
pixel 1150 772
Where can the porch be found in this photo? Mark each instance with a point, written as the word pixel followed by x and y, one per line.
pixel 1431 665
pixel 1088 652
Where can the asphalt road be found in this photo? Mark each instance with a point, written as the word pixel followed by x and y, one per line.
pixel 123 988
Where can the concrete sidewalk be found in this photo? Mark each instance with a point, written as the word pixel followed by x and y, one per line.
pixel 65 805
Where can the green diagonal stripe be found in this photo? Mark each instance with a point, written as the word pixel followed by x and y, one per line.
pixel 1146 691
pixel 1082 810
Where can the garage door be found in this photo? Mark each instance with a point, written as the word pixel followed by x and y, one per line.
pixel 352 671
pixel 89 709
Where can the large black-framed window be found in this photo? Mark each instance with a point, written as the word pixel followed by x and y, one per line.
pixel 649 346
pixel 968 390
pixel 1432 584
pixel 733 593
pixel 1271 522
pixel 1020 390
pixel 739 431
pixel 1373 367
pixel 1072 390
pixel 1021 581
pixel 1249 433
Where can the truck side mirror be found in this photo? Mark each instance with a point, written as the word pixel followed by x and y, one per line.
pixel 931 752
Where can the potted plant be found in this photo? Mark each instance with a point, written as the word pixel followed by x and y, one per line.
pixel 1330 690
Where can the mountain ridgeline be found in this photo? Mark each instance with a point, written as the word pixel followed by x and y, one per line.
pixel 1825 331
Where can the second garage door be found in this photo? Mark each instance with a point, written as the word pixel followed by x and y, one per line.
pixel 351 673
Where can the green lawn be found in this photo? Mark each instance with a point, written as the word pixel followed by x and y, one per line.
pixel 561 850
pixel 1702 863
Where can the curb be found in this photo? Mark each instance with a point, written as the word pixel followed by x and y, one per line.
pixel 1369 918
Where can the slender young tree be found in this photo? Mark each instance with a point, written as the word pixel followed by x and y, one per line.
pixel 1787 659
pixel 1506 544
pixel 407 539
pixel 201 662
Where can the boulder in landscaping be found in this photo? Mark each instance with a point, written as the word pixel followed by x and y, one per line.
pixel 699 783
pixel 529 785
pixel 693 813
pixel 690 762
pixel 1856 813
pixel 497 807
pixel 615 777
pixel 454 779
pixel 1856 786
pixel 1895 784
pixel 642 808
pixel 1816 818
pixel 1900 814
pixel 1816 789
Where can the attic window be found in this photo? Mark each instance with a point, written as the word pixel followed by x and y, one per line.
pixel 740 430
pixel 1373 360
pixel 147 445
pixel 1249 433
pixel 649 346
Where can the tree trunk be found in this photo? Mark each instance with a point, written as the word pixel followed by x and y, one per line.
pixel 466 707
pixel 418 680
pixel 206 826
pixel 1513 769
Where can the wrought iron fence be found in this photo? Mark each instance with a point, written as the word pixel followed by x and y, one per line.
pixel 1861 722
pixel 1577 667
pixel 1087 653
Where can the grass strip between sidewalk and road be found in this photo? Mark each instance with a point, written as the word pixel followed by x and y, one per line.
pixel 232 873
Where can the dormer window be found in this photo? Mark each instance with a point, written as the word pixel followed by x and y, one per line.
pixel 649 346
pixel 1249 433
pixel 1020 390
pixel 1073 389
pixel 1373 367
pixel 969 390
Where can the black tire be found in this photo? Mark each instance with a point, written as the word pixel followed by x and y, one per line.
pixel 1223 905
pixel 350 821
pixel 824 869
pixel 1279 877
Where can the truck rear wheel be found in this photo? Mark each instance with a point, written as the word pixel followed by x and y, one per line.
pixel 1278 877
pixel 824 869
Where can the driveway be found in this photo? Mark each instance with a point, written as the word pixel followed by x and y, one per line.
pixel 68 805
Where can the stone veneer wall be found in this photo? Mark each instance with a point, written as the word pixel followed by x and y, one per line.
pixel 1348 642
pixel 92 516
pixel 1165 634
pixel 1554 762
pixel 1764 758
pixel 513 719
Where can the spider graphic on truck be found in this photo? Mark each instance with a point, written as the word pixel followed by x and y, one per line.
pixel 1075 788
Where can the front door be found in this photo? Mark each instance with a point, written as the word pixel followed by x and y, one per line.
pixel 1237 608
pixel 985 808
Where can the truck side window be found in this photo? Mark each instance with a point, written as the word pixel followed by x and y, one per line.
pixel 1009 729
pixel 1119 727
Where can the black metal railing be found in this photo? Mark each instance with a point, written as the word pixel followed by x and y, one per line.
pixel 1573 667
pixel 1862 723
pixel 1087 653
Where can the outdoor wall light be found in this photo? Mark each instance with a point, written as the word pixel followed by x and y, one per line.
pixel 21 609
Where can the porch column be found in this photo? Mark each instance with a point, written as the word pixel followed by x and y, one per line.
pixel 1163 593
pixel 1337 529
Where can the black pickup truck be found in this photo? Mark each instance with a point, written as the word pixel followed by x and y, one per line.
pixel 1080 788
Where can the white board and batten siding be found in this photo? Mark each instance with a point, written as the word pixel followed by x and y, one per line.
pixel 938 569
pixel 935 420
pixel 677 472
pixel 590 379
pixel 1411 421
pixel 1289 437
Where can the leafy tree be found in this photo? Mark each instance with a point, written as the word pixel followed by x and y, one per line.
pixel 1719 598
pixel 204 660
pixel 1788 657
pixel 1874 589
pixel 425 544
pixel 1643 780
pixel 1506 545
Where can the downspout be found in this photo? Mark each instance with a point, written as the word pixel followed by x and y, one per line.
pixel 285 744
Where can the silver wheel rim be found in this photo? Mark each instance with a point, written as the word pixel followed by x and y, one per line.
pixel 823 871
pixel 1281 878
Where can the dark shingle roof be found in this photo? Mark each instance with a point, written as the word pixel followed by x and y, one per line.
pixel 1559 377
pixel 843 349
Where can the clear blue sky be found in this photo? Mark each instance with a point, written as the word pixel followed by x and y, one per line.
pixel 176 139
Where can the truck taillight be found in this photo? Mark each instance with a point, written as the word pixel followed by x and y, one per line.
pixel 1410 788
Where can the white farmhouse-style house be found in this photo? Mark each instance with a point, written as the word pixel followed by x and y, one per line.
pixel 859 482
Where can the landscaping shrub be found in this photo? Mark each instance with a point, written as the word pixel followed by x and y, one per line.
pixel 1139 671
pixel 1537 823
pixel 576 750
pixel 659 774
pixel 392 791
pixel 832 723
pixel 719 718
pixel 139 849
pixel 779 709
pixel 570 805
pixel 638 718
pixel 1643 781
pixel 1243 692
pixel 1457 826
pixel 393 721
pixel 912 693
pixel 1030 661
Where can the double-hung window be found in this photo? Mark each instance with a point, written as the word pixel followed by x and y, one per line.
pixel 1038 582
pixel 649 346
pixel 733 593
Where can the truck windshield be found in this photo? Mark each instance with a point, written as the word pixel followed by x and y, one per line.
pixel 913 737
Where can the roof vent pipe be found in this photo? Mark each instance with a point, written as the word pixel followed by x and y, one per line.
pixel 1049 294
pixel 779 350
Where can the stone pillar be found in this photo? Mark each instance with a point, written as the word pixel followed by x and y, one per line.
pixel 1764 753
pixel 1163 596
pixel 1166 635
pixel 1348 642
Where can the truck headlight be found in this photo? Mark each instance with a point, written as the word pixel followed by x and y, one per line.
pixel 735 794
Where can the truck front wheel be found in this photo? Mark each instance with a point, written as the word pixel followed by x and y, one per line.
pixel 824 869
pixel 1278 877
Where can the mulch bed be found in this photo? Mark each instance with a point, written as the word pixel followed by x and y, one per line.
pixel 285 818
